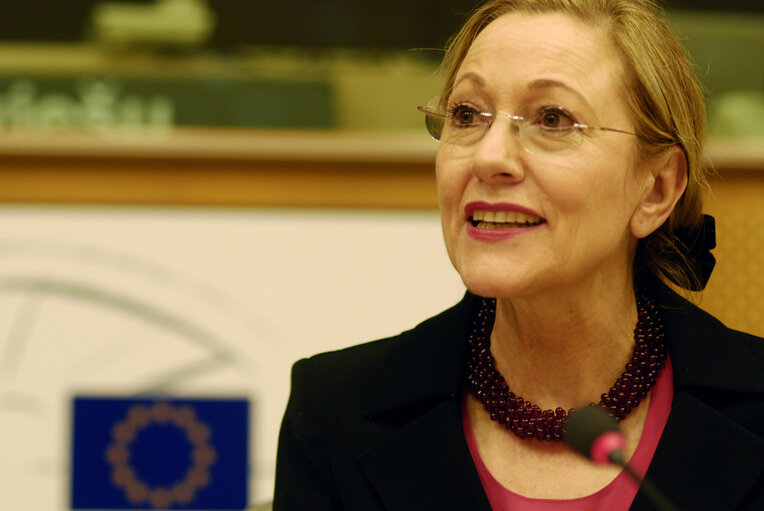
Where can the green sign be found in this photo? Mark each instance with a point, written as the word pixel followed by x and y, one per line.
pixel 102 102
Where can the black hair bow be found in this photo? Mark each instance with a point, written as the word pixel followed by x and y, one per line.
pixel 698 242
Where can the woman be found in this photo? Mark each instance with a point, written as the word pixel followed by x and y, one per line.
pixel 570 183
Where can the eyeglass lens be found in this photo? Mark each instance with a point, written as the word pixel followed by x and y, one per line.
pixel 532 136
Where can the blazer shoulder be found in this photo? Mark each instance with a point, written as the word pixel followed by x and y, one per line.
pixel 368 358
pixel 753 343
pixel 750 345
pixel 354 374
pixel 740 345
pixel 707 351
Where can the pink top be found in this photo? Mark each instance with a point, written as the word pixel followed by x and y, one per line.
pixel 619 494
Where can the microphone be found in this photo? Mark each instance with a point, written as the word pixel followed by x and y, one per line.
pixel 593 433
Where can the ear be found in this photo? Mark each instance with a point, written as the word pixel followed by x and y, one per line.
pixel 665 181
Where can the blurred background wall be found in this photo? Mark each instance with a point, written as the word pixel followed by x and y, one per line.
pixel 197 193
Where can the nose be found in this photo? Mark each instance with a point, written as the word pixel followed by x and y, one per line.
pixel 496 157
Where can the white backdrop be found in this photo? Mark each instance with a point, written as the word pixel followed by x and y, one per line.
pixel 193 302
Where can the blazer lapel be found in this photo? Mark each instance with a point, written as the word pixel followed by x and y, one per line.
pixel 424 463
pixel 702 450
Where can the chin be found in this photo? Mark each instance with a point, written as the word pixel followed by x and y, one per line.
pixel 493 275
pixel 492 291
pixel 489 286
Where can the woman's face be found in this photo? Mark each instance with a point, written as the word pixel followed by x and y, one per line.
pixel 550 218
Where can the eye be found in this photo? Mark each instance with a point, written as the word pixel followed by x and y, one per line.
pixel 464 116
pixel 555 118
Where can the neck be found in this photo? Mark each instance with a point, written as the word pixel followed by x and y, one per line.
pixel 566 349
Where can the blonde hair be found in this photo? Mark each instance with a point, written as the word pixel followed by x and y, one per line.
pixel 661 90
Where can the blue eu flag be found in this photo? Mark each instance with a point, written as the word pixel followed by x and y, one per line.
pixel 151 453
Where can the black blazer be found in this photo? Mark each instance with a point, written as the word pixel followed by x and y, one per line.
pixel 378 426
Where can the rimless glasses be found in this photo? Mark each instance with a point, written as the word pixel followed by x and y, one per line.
pixel 542 129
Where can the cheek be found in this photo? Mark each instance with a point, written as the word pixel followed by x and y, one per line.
pixel 596 195
pixel 451 180
pixel 566 188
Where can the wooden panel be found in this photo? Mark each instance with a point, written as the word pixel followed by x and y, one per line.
pixel 214 182
pixel 218 168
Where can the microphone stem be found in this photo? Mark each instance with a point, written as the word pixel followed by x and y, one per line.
pixel 651 491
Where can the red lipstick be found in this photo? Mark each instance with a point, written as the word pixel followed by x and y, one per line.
pixel 499 233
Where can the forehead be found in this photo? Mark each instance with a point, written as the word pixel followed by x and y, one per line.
pixel 517 49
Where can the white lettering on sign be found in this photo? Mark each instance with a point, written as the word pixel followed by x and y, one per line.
pixel 96 104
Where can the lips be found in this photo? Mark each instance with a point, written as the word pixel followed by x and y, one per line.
pixel 482 215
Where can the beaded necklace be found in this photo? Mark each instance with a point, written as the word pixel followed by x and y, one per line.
pixel 528 420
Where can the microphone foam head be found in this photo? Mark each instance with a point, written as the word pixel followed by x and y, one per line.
pixel 585 426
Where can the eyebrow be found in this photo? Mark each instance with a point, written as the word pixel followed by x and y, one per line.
pixel 540 83
pixel 546 83
pixel 471 76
